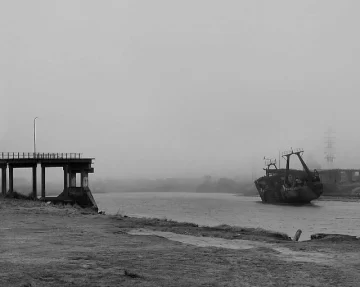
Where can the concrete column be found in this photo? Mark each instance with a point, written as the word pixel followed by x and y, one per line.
pixel 43 181
pixel 84 179
pixel 34 182
pixel 66 179
pixel 11 179
pixel 72 179
pixel 3 181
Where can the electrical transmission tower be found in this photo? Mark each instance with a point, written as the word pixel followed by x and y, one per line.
pixel 330 148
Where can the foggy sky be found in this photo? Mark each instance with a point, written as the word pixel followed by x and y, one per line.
pixel 177 88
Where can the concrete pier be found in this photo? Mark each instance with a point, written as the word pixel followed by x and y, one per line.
pixel 11 179
pixel 34 183
pixel 72 164
pixel 3 179
pixel 43 181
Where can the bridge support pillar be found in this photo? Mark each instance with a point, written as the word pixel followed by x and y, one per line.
pixel 3 180
pixel 34 183
pixel 42 181
pixel 66 174
pixel 72 179
pixel 11 179
pixel 84 179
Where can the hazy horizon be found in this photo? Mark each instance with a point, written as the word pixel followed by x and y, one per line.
pixel 180 88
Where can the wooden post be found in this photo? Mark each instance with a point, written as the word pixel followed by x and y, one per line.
pixel 297 235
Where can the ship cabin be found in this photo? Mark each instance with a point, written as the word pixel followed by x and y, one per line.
pixel 268 170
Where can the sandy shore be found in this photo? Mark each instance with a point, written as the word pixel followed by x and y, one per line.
pixel 44 245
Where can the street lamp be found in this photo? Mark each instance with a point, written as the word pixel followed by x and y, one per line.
pixel 35 136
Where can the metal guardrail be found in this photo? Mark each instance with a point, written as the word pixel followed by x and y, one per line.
pixel 31 155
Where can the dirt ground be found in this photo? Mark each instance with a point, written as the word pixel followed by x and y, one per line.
pixel 45 245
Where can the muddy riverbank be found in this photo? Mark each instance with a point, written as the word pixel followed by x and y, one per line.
pixel 44 245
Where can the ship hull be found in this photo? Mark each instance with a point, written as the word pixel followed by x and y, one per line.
pixel 289 185
pixel 275 192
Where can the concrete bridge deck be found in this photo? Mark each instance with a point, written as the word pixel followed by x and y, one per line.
pixel 72 163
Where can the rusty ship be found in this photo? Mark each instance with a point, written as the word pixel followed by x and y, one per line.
pixel 287 185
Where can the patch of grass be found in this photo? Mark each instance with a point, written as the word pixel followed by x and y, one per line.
pixel 334 237
pixel 251 231
pixel 220 231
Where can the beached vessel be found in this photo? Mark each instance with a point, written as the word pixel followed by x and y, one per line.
pixel 289 185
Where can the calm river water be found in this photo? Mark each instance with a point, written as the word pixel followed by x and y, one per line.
pixel 213 209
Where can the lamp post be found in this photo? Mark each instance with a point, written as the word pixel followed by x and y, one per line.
pixel 35 135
